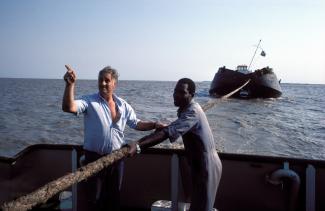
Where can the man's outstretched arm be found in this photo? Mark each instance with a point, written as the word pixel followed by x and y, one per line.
pixel 148 141
pixel 149 125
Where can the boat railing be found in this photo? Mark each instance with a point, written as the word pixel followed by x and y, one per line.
pixel 288 182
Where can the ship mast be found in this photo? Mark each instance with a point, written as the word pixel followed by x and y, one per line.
pixel 254 54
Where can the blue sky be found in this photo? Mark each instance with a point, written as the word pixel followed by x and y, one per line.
pixel 161 39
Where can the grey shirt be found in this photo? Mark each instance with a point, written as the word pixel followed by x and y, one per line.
pixel 201 153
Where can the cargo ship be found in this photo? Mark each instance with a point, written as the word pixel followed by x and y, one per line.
pixel 261 83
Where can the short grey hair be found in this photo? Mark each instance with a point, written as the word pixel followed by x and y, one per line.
pixel 109 70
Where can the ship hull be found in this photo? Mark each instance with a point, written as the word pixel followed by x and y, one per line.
pixel 262 84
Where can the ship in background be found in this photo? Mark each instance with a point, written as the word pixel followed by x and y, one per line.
pixel 261 83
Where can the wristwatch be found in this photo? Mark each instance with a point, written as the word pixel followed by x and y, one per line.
pixel 138 149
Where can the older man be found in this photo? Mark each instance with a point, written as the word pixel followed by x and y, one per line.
pixel 105 117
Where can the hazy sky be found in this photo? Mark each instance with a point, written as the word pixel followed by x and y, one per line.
pixel 161 39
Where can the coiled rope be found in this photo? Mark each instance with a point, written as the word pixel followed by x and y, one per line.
pixel 46 192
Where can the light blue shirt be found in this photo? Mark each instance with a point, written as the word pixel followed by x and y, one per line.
pixel 102 135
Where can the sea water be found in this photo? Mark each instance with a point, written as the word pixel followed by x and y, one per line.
pixel 292 125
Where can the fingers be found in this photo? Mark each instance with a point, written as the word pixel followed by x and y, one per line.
pixel 160 125
pixel 68 67
pixel 70 75
pixel 132 149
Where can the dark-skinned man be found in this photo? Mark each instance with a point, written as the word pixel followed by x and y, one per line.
pixel 192 125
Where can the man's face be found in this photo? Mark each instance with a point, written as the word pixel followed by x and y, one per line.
pixel 106 84
pixel 182 96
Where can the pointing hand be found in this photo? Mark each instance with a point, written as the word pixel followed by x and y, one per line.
pixel 70 76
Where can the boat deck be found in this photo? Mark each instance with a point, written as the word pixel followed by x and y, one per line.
pixel 248 182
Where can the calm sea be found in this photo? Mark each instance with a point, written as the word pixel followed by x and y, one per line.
pixel 293 125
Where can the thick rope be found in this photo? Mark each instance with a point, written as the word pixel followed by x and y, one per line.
pixel 213 102
pixel 46 192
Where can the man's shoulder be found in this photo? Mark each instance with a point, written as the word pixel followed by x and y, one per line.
pixel 195 109
pixel 120 101
pixel 195 106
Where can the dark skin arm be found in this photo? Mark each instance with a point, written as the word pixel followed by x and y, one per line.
pixel 147 141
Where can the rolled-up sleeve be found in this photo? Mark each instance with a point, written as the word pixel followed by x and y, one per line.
pixel 183 124
pixel 132 120
pixel 82 105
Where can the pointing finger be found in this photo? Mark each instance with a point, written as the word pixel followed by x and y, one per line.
pixel 68 68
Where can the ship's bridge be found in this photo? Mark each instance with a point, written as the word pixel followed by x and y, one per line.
pixel 243 69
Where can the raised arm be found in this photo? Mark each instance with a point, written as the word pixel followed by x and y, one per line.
pixel 68 103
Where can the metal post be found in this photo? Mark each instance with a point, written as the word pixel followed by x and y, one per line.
pixel 74 166
pixel 310 188
pixel 174 182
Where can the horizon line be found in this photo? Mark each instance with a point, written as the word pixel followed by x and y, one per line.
pixel 152 80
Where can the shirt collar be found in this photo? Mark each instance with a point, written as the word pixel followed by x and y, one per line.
pixel 179 111
pixel 115 98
